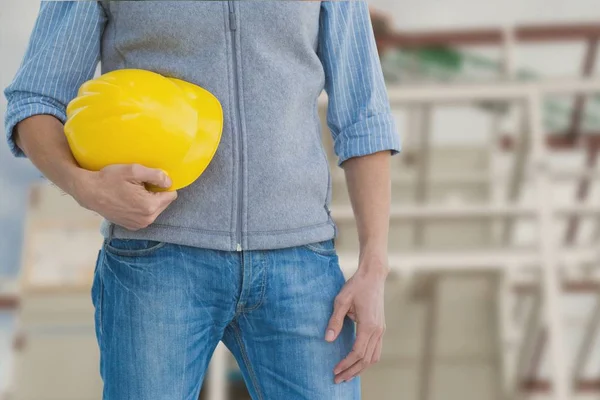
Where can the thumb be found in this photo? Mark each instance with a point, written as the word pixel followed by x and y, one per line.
pixel 336 322
pixel 152 176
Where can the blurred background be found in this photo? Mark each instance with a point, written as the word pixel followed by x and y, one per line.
pixel 495 289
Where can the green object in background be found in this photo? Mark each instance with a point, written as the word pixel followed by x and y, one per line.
pixel 451 65
pixel 446 58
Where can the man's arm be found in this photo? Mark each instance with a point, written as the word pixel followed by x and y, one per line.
pixel 41 138
pixel 369 185
pixel 365 135
pixel 117 192
pixel 63 52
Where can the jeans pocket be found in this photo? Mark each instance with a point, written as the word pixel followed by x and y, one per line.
pixel 323 248
pixel 133 247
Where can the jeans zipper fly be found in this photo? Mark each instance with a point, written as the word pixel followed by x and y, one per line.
pixel 232 29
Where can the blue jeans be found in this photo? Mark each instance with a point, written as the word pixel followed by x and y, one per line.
pixel 161 309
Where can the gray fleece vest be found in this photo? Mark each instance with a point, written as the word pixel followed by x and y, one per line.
pixel 268 185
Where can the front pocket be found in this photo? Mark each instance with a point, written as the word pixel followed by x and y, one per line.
pixel 323 248
pixel 133 247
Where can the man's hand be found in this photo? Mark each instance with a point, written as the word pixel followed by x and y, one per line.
pixel 369 187
pixel 118 193
pixel 361 299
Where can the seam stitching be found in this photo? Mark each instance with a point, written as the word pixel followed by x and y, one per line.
pixel 248 233
pixel 115 14
pixel 134 253
pixel 231 233
pixel 215 232
pixel 320 251
pixel 101 300
pixel 187 338
pixel 264 233
pixel 262 294
pixel 243 136
pixel 317 122
pixel 238 338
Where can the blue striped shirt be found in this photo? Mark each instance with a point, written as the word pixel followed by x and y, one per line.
pixel 64 51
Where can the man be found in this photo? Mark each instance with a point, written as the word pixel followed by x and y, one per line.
pixel 246 254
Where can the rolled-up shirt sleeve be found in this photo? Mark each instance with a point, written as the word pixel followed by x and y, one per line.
pixel 359 114
pixel 63 52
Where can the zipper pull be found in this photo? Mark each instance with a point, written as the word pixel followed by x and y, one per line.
pixel 239 247
pixel 232 21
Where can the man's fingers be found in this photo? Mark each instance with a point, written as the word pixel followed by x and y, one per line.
pixel 166 198
pixel 156 177
pixel 162 201
pixel 363 363
pixel 358 353
pixel 351 372
pixel 153 205
pixel 377 353
pixel 352 316
pixel 375 338
pixel 340 309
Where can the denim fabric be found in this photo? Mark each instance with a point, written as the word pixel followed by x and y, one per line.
pixel 268 185
pixel 161 309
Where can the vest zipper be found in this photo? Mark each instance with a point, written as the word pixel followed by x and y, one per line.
pixel 232 29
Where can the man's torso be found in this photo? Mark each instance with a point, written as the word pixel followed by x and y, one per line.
pixel 268 185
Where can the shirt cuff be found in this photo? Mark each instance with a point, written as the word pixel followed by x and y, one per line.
pixel 371 135
pixel 18 110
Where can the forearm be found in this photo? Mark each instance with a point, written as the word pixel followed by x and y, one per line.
pixel 369 186
pixel 42 139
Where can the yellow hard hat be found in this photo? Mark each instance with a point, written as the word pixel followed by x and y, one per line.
pixel 133 116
